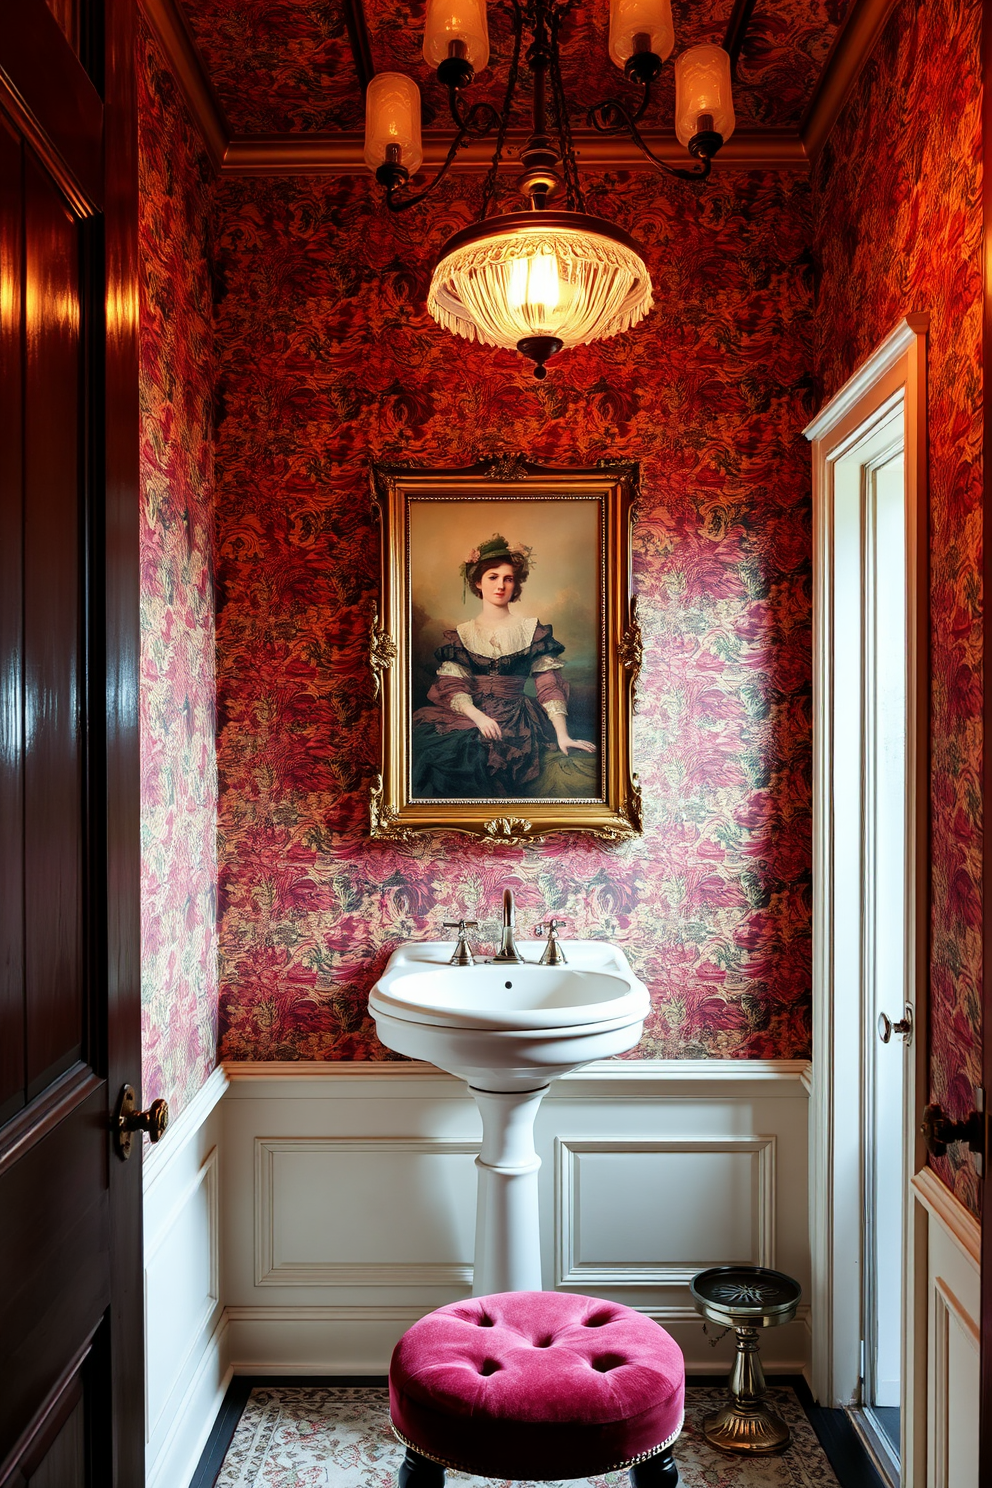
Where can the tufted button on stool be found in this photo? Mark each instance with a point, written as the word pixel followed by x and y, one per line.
pixel 537 1385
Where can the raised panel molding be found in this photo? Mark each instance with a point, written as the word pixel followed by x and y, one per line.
pixel 272 1269
pixel 757 1151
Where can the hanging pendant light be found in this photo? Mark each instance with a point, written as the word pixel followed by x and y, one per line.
pixel 548 278
pixel 539 282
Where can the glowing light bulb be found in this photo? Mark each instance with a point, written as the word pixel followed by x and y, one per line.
pixel 534 282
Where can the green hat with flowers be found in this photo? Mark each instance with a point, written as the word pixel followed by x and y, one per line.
pixel 495 550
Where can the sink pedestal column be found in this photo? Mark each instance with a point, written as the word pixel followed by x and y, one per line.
pixel 507 1228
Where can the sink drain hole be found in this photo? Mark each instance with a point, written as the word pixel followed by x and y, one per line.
pixel 508 985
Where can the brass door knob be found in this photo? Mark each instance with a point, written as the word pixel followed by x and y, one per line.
pixel 939 1130
pixel 128 1120
pixel 886 1027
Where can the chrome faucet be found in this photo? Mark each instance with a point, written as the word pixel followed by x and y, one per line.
pixel 507 946
pixel 553 953
pixel 463 951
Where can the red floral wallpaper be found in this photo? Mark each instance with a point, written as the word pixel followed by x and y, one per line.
pixel 178 763
pixel 279 65
pixel 286 65
pixel 326 360
pixel 898 210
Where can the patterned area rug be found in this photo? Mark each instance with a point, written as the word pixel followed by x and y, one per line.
pixel 295 1437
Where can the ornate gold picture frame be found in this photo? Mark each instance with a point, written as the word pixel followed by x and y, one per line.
pixel 505 651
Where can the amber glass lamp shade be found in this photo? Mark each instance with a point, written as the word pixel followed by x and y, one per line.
pixel 703 98
pixel 463 21
pixel 392 122
pixel 632 19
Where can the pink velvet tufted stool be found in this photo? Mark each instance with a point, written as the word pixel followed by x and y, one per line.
pixel 537 1385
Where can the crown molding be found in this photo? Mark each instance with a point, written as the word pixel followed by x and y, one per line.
pixel 852 46
pixel 342 154
pixel 171 29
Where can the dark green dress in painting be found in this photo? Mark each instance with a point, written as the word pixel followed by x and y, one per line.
pixel 452 760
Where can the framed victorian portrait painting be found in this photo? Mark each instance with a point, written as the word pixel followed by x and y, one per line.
pixel 505 651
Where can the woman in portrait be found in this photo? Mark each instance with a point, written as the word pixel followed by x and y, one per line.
pixel 481 734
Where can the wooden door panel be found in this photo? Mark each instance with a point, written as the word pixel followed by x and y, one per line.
pixel 71 1360
pixel 55 1240
pixel 12 1074
pixel 64 1464
pixel 53 521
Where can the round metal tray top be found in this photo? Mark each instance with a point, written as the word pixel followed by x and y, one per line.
pixel 746 1296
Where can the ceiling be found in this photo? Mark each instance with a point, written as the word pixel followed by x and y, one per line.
pixel 297 67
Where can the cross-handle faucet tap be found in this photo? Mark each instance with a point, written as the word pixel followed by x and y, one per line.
pixel 463 951
pixel 508 946
pixel 553 953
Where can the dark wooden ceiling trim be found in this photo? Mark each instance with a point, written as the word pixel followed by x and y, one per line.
pixel 171 29
pixel 358 36
pixel 333 154
pixel 740 19
pixel 852 47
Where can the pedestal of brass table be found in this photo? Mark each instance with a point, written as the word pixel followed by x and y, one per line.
pixel 747 1299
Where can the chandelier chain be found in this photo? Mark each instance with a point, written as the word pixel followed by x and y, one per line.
pixel 489 187
pixel 574 197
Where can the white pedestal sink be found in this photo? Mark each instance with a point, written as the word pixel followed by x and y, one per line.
pixel 508 1030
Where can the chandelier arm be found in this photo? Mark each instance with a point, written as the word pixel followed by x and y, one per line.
pixel 478 121
pixel 489 186
pixel 397 203
pixel 611 117
pixel 645 100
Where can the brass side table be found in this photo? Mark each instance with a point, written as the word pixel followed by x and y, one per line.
pixel 747 1299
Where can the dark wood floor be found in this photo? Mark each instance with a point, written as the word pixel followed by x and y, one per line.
pixel 837 1436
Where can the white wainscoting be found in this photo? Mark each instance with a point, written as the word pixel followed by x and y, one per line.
pixel 299 1217
pixel 953 1335
pixel 348 1199
pixel 186 1368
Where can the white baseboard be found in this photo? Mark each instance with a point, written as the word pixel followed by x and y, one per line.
pixel 359 1340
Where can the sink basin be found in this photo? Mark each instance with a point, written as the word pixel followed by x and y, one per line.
pixel 508 1029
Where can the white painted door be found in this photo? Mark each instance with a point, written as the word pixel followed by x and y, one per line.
pixel 870 927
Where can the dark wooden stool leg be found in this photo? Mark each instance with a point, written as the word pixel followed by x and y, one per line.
pixel 420 1472
pixel 657 1472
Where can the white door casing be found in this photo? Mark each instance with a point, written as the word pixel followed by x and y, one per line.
pixel 888 390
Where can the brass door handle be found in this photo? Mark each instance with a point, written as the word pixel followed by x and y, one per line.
pixel 939 1131
pixel 128 1120
pixel 886 1027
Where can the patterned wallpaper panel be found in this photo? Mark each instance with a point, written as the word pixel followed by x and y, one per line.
pixel 899 216
pixel 178 760
pixel 326 360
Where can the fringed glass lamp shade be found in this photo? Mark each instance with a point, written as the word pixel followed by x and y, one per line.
pixel 538 282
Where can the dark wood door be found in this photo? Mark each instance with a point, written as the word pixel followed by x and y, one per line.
pixel 71 1382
